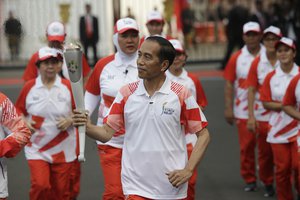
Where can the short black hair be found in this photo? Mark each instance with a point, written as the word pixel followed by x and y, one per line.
pixel 166 51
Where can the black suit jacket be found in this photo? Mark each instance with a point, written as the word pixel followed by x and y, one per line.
pixel 82 30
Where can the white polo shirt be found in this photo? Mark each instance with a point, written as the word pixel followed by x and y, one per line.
pixel 48 142
pixel 193 84
pixel 283 128
pixel 260 67
pixel 109 75
pixel 292 97
pixel 236 71
pixel 154 142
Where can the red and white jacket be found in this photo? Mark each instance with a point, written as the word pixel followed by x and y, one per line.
pixel 259 69
pixel 236 72
pixel 283 128
pixel 13 136
pixel 45 106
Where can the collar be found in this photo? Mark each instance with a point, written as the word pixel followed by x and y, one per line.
pixel 40 84
pixel 121 61
pixel 293 72
pixel 264 59
pixel 164 89
pixel 247 53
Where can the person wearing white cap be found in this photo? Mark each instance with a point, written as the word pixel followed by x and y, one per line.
pixel 47 103
pixel 177 73
pixel 56 34
pixel 236 99
pixel 283 131
pixel 155 24
pixel 109 75
pixel 258 116
pixel 14 135
pixel 150 114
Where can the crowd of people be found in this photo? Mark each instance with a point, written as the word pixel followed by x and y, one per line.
pixel 256 96
pixel 151 108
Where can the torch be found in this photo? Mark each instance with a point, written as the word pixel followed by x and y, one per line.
pixel 73 58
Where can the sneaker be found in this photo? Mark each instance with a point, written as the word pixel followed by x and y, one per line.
pixel 269 191
pixel 250 187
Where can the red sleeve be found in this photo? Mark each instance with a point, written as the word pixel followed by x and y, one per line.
pixel 21 101
pixel 18 134
pixel 200 94
pixel 252 79
pixel 31 70
pixel 68 84
pixel 230 69
pixel 85 66
pixel 93 85
pixel 265 92
pixel 290 97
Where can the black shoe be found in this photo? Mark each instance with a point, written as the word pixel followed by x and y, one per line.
pixel 250 187
pixel 269 191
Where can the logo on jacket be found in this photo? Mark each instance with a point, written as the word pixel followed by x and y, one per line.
pixel 166 110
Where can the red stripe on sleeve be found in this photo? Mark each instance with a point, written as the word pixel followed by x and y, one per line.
pixel 290 96
pixel 252 79
pixel 21 101
pixel 265 90
pixel 93 84
pixel 230 69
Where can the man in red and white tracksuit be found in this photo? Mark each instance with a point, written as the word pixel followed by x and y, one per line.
pixel 236 99
pixel 108 76
pixel 177 73
pixel 258 116
pixel 14 135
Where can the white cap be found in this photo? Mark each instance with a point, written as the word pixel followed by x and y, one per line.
pixel 56 31
pixel 251 27
pixel 126 24
pixel 154 16
pixel 47 52
pixel 286 41
pixel 273 29
pixel 177 45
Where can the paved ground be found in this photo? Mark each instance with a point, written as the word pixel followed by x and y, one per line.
pixel 218 178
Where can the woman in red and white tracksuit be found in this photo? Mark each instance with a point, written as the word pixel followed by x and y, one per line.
pixel 178 74
pixel 108 76
pixel 283 129
pixel 47 104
